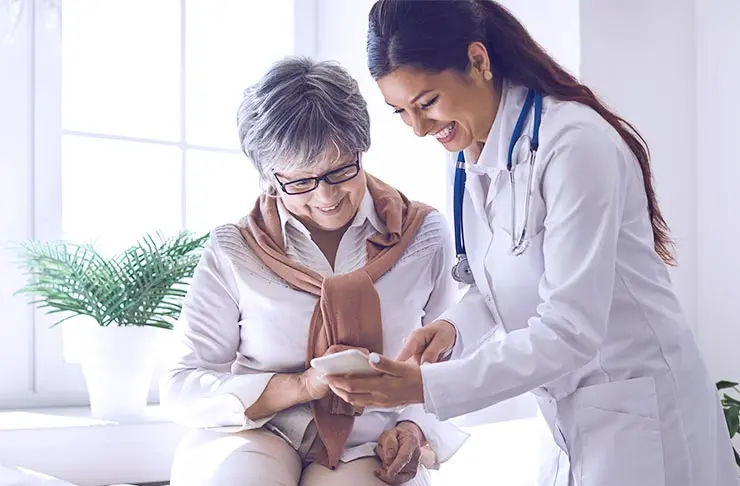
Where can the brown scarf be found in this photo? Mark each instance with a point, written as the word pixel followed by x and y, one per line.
pixel 348 309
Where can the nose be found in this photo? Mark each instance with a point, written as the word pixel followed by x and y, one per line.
pixel 420 125
pixel 326 193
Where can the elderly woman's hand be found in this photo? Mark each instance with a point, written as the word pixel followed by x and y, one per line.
pixel 399 451
pixel 314 382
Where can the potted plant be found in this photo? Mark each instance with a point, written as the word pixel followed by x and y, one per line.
pixel 731 407
pixel 122 307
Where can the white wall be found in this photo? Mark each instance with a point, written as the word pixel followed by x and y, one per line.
pixel 639 56
pixel 554 24
pixel 718 176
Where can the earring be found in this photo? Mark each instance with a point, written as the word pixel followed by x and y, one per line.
pixel 487 75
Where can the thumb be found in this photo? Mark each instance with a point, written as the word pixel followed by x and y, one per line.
pixel 414 344
pixel 385 365
pixel 434 350
pixel 389 448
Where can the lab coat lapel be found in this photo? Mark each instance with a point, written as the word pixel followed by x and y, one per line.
pixel 474 188
pixel 476 229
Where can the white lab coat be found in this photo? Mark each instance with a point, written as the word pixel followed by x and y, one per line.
pixel 586 319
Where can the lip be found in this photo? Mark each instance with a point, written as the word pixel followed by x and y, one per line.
pixel 449 137
pixel 338 205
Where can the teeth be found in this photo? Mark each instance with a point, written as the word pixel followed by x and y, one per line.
pixel 445 132
pixel 330 208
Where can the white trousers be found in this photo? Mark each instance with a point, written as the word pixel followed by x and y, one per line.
pixel 260 458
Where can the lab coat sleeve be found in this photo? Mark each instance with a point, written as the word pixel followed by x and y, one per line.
pixel 198 389
pixel 583 187
pixel 472 320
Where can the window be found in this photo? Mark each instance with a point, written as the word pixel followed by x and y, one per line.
pixel 130 109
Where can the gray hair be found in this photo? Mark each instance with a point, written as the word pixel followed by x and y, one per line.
pixel 297 112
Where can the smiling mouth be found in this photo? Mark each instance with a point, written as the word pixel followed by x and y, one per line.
pixel 445 135
pixel 329 209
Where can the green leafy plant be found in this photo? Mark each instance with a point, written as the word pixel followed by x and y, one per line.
pixel 731 408
pixel 143 286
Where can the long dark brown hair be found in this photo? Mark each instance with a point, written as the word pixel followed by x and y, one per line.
pixel 434 35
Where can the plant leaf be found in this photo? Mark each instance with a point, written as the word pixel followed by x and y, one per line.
pixel 144 285
pixel 732 417
pixel 721 385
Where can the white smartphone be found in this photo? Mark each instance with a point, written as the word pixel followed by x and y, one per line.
pixel 344 362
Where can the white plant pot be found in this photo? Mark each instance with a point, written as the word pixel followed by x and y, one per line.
pixel 118 364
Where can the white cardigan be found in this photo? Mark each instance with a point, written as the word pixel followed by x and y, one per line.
pixel 241 324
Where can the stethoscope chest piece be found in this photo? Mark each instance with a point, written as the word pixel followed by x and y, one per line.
pixel 461 271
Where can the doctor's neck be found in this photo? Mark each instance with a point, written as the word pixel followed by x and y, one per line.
pixel 487 116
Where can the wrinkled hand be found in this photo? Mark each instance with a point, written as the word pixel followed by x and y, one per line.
pixel 399 451
pixel 429 343
pixel 314 382
pixel 400 383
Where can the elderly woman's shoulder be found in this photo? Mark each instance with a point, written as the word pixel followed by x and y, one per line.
pixel 228 240
pixel 226 234
pixel 432 235
pixel 435 225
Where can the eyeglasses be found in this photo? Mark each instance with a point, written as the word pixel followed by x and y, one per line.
pixel 333 177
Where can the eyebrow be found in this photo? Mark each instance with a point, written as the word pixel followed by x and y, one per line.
pixel 415 99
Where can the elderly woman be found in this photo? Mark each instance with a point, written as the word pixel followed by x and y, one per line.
pixel 329 258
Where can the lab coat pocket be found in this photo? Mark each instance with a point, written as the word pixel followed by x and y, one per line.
pixel 618 438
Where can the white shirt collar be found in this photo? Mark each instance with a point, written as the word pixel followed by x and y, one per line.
pixel 366 212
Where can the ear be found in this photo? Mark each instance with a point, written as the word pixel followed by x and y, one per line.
pixel 478 60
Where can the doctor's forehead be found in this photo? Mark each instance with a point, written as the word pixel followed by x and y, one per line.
pixel 403 85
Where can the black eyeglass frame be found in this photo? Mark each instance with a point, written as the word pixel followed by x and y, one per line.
pixel 317 180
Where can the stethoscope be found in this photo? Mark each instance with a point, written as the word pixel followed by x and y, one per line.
pixel 461 272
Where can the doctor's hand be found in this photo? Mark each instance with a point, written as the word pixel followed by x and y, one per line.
pixel 400 383
pixel 399 451
pixel 429 343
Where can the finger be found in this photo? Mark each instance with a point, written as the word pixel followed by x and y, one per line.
pixel 383 476
pixel 403 457
pixel 386 366
pixel 357 383
pixel 414 344
pixel 434 351
pixel 399 479
pixel 356 399
pixel 390 448
pixel 413 464
pixel 402 478
pixel 336 348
